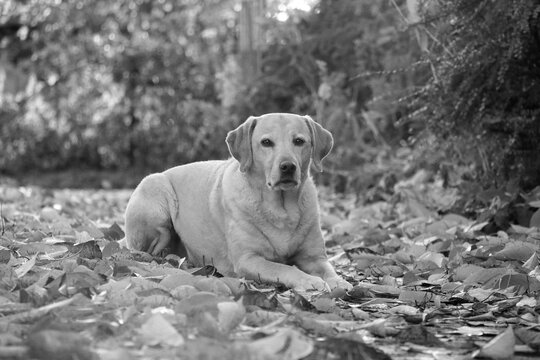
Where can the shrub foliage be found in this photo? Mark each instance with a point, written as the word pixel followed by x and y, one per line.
pixel 149 84
pixel 483 99
pixel 116 83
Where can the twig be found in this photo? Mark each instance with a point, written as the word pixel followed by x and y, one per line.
pixel 34 314
pixel 14 308
pixel 14 352
pixel 2 219
pixel 400 12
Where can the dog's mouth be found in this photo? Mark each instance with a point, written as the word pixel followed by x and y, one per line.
pixel 284 184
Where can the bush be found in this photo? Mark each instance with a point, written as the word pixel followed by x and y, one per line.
pixel 335 63
pixel 115 84
pixel 483 99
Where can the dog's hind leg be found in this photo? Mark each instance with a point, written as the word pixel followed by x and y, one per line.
pixel 160 242
pixel 148 215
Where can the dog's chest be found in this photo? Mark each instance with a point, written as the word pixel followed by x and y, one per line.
pixel 283 230
pixel 283 216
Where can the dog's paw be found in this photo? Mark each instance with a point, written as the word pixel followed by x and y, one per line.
pixel 337 282
pixel 312 283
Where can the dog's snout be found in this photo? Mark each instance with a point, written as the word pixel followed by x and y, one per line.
pixel 287 168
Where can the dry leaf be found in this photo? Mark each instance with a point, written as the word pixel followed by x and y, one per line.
pixel 532 262
pixel 158 331
pixel 517 250
pixel 380 327
pixel 49 214
pixel 404 310
pixel 26 267
pixel 60 345
pixel 500 347
pixel 230 314
pixel 535 219
pixel 286 344
pixel 212 284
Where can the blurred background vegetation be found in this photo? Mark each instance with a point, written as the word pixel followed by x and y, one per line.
pixel 128 87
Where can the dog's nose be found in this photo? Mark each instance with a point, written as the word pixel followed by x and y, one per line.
pixel 287 168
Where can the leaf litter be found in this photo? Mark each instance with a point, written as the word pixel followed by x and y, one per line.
pixel 432 280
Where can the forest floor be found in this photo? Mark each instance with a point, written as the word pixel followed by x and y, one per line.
pixel 429 283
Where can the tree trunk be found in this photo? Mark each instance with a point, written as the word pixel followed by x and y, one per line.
pixel 251 39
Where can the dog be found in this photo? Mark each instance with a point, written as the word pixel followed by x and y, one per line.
pixel 254 215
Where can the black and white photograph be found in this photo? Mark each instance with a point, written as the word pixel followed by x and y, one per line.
pixel 270 179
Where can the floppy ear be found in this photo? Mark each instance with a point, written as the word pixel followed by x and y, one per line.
pixel 239 143
pixel 321 142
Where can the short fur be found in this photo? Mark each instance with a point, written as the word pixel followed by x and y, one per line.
pixel 254 215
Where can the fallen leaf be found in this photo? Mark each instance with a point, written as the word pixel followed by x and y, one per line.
pixel 532 262
pixel 158 331
pixel 212 284
pixel 264 300
pixel 529 337
pixel 92 230
pixel 447 222
pixel 71 283
pixel 516 250
pixel 520 283
pixel 10 194
pixel 286 344
pixel 420 335
pixel 482 276
pixel 261 317
pixel 436 259
pixel 49 214
pixel 404 310
pixel 416 297
pixel 527 301
pixel 230 314
pixel 52 250
pixel 26 267
pixel 480 294
pixel 500 347
pixel 82 237
pixel 60 345
pixel 113 233
pixel 88 250
pixel 341 348
pixel 381 290
pixel 175 280
pixel 535 219
pixel 380 327
pixel 324 304
pixel 470 331
pixel 237 286
pixel 202 301
pixel 111 248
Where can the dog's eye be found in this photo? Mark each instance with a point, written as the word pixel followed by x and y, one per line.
pixel 267 142
pixel 299 141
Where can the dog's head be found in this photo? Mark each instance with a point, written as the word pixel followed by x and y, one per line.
pixel 280 147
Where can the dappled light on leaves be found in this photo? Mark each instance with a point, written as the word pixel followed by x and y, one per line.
pixel 500 347
pixel 430 199
pixel 157 331
pixel 423 283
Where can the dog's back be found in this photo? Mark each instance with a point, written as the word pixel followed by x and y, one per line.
pixel 171 202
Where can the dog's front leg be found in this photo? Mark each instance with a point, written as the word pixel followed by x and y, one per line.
pixel 320 266
pixel 256 267
pixel 313 260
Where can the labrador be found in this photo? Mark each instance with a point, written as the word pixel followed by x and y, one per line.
pixel 255 215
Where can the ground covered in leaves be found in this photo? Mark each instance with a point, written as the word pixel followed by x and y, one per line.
pixel 428 283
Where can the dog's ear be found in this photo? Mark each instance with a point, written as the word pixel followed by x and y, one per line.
pixel 239 143
pixel 321 142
